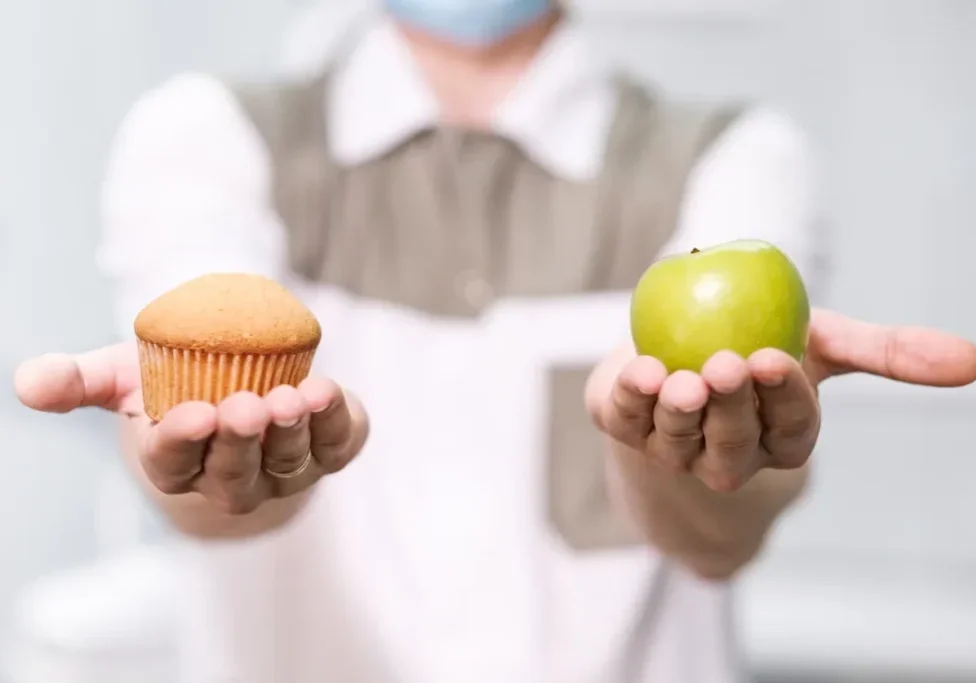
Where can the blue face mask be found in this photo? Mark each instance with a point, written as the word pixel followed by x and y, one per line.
pixel 470 22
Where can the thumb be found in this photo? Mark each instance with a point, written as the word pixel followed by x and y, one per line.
pixel 59 383
pixel 841 345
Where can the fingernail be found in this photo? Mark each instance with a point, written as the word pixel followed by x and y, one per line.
pixel 328 406
pixel 770 381
pixel 288 424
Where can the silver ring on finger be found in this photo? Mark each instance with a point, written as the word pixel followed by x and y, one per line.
pixel 297 472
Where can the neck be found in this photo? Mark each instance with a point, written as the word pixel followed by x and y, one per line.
pixel 471 81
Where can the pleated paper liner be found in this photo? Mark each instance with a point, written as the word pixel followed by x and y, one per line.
pixel 173 376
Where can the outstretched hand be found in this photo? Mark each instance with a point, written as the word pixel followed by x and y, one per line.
pixel 238 454
pixel 741 415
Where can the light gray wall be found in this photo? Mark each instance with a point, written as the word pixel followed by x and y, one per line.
pixel 886 87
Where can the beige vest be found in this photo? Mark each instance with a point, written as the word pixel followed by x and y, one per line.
pixel 447 204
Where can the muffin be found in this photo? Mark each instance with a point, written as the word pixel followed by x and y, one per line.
pixel 220 334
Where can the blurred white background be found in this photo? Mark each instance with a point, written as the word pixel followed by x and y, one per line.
pixel 875 574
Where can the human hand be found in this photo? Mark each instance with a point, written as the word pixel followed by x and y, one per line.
pixel 741 415
pixel 239 454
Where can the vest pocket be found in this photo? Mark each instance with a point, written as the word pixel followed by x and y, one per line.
pixel 579 506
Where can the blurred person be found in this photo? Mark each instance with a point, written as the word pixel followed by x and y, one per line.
pixel 464 195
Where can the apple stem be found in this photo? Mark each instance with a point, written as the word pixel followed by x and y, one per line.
pixel 695 250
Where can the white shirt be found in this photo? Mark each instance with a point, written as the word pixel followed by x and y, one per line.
pixel 430 559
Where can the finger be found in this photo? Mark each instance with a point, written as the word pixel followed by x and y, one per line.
pixel 731 424
pixel 628 415
pixel 788 408
pixel 232 467
pixel 172 453
pixel 132 405
pixel 337 425
pixel 601 381
pixel 59 383
pixel 677 439
pixel 908 354
pixel 286 443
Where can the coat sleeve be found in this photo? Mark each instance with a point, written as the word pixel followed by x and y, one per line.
pixel 187 192
pixel 757 181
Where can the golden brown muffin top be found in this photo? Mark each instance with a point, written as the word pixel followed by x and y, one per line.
pixel 232 313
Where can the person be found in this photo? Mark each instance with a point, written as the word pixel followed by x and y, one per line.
pixel 464 197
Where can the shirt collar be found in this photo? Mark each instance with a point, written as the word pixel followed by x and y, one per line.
pixel 560 113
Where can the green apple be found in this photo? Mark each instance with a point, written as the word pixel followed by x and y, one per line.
pixel 741 296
